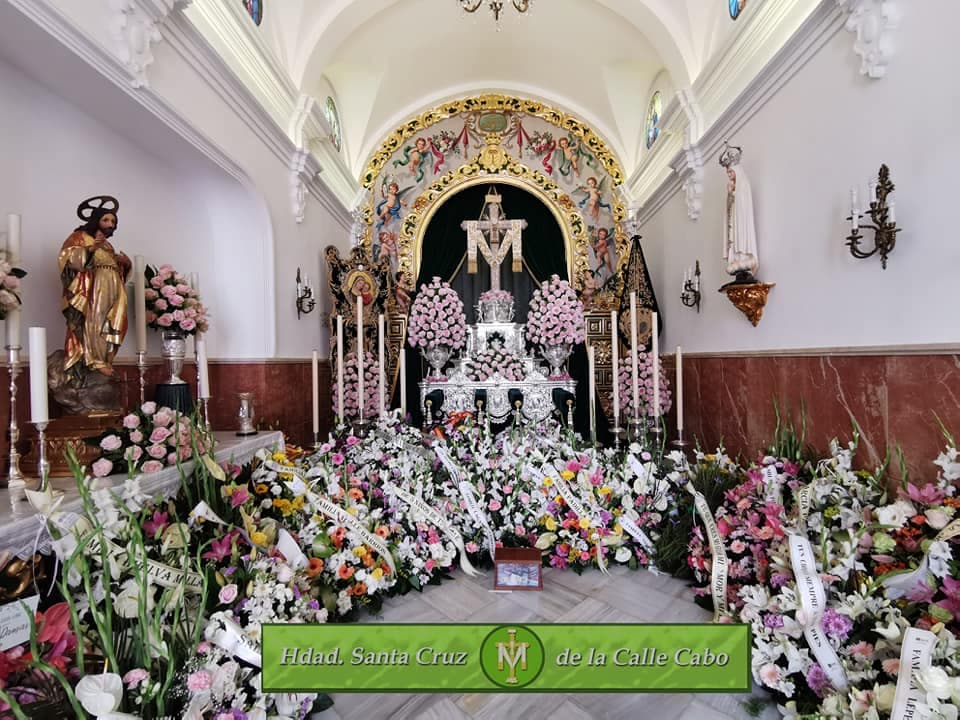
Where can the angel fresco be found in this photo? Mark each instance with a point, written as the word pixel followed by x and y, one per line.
pixel 388 209
pixel 416 156
pixel 601 242
pixel 593 199
pixel 388 247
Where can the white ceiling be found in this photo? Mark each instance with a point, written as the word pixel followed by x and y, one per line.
pixel 386 60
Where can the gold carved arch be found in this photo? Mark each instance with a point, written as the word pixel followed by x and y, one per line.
pixel 495 164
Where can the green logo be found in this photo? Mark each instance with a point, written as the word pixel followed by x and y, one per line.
pixel 512 656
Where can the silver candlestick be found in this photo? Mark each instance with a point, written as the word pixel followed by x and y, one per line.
pixel 205 412
pixel 14 476
pixel 142 368
pixel 43 466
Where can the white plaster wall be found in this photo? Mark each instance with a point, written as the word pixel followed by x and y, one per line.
pixel 827 129
pixel 54 156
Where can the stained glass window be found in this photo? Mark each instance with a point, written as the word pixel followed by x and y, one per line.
pixel 653 119
pixel 333 117
pixel 255 9
pixel 736 7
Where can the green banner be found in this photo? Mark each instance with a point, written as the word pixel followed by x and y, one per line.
pixel 472 657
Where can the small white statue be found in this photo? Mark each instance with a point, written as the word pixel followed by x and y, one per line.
pixel 739 230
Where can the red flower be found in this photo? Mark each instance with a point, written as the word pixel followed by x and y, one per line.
pixel 56 622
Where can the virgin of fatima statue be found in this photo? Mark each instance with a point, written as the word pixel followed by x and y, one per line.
pixel 739 231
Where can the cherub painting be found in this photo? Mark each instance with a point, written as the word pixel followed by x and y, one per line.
pixel 388 209
pixel 569 155
pixel 417 156
pixel 593 201
pixel 602 243
pixel 388 246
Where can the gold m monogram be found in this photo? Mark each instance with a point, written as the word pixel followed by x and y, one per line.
pixel 511 653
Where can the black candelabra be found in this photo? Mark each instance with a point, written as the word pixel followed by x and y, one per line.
pixel 306 302
pixel 690 295
pixel 882 213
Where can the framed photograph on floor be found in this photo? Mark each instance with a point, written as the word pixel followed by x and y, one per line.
pixel 518 569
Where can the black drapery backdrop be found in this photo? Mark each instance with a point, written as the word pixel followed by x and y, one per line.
pixel 444 254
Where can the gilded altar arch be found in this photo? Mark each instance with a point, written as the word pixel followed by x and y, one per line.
pixel 500 139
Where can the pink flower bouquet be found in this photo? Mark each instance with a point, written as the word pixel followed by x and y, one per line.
pixel 496 295
pixel 371 387
pixel 495 360
pixel 437 317
pixel 645 385
pixel 172 304
pixel 556 315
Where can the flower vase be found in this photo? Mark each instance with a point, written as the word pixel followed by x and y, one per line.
pixel 173 344
pixel 246 415
pixel 437 356
pixel 556 356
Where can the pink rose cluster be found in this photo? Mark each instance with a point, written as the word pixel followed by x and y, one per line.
pixel 172 304
pixel 150 438
pixel 495 360
pixel 555 316
pixel 437 317
pixel 645 385
pixel 495 295
pixel 371 387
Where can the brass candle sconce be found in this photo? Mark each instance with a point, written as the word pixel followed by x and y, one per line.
pixel 882 213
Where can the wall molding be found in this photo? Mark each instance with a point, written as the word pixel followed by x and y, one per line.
pixel 866 350
pixel 872 22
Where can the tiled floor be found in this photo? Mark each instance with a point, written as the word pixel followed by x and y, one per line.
pixel 623 596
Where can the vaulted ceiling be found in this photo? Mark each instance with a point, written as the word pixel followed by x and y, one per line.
pixel 385 60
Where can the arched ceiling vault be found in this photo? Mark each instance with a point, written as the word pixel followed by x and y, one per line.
pixel 385 60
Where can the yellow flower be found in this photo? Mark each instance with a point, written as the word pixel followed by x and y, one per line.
pixel 710 458
pixel 297 503
pixel 550 523
pixel 360 551
pixel 604 491
pixel 261 489
pixel 377 573
pixel 548 482
pixel 567 474
pixel 279 456
pixel 228 490
pixel 584 523
pixel 617 529
pixel 258 538
pixel 352 510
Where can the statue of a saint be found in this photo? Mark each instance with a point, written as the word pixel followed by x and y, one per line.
pixel 94 301
pixel 739 231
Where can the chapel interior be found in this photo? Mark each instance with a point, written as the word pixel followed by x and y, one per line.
pixel 711 157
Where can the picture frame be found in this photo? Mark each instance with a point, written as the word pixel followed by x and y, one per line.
pixel 518 569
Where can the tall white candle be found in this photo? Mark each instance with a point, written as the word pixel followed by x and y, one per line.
pixel 892 215
pixel 140 302
pixel 360 357
pixel 656 368
pixel 592 391
pixel 203 374
pixel 679 390
pixel 340 367
pixel 13 257
pixel 13 238
pixel 634 360
pixel 615 354
pixel 403 384
pixel 315 390
pixel 39 412
pixel 383 367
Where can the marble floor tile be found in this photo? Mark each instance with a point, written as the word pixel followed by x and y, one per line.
pixel 570 710
pixel 533 706
pixel 459 600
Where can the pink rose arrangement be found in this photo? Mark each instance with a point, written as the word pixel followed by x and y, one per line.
pixel 150 439
pixel 9 284
pixel 371 387
pixel 555 316
pixel 645 385
pixel 172 304
pixel 495 360
pixel 437 317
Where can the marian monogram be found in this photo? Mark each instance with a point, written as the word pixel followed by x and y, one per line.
pixel 512 657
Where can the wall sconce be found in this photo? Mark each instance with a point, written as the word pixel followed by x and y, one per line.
pixel 306 302
pixel 883 215
pixel 690 295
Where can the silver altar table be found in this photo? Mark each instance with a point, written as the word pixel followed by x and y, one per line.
pixel 22 531
pixel 537 388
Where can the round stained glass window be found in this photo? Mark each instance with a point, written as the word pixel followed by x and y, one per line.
pixel 653 119
pixel 255 9
pixel 332 115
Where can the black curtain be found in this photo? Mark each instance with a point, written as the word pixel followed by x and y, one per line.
pixel 444 255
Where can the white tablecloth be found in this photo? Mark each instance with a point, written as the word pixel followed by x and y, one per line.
pixel 22 532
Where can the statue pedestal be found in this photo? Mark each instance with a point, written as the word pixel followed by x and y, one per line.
pixel 63 432
pixel 176 397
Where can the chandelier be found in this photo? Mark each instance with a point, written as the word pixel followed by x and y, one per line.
pixel 496 6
